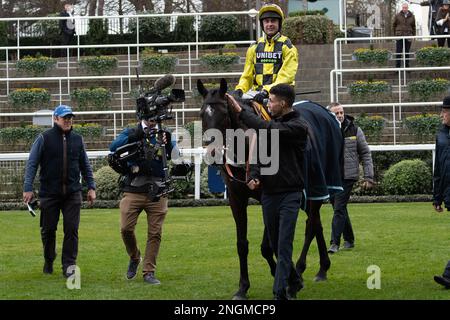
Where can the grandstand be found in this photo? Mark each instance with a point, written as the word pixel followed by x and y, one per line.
pixel 329 68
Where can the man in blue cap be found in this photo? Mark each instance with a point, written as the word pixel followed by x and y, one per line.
pixel 441 176
pixel 62 157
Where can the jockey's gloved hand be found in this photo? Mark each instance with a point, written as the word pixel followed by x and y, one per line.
pixel 260 96
pixel 237 93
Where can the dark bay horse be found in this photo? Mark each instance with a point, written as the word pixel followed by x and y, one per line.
pixel 319 178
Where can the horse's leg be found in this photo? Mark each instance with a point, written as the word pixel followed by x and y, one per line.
pixel 309 236
pixel 238 204
pixel 325 262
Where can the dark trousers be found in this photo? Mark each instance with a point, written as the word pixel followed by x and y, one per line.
pixel 280 212
pixel 447 270
pixel 441 41
pixel 50 210
pixel 66 40
pixel 341 224
pixel 399 52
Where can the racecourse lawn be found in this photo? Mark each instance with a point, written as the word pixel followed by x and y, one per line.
pixel 198 259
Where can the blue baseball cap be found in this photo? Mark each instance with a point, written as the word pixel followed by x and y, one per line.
pixel 62 111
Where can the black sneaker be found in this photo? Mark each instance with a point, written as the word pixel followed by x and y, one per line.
pixel 48 267
pixel 132 268
pixel 443 281
pixel 333 248
pixel 68 273
pixel 150 278
pixel 348 245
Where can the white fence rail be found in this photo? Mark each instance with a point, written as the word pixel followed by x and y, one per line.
pixel 196 155
pixel 137 17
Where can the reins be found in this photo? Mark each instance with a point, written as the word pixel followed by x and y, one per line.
pixel 262 113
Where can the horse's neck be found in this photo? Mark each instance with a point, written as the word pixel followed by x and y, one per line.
pixel 235 124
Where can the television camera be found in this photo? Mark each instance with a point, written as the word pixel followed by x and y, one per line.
pixel 152 106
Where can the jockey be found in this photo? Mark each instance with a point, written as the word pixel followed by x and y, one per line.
pixel 270 61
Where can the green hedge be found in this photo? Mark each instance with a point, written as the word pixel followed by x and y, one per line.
pixel 316 29
pixel 27 98
pixel 219 62
pixel 363 91
pixel 151 29
pixel 97 97
pixel 408 177
pixel 106 180
pixel 158 63
pixel 426 89
pixel 218 28
pixel 371 126
pixel 433 56
pixel 371 56
pixel 35 65
pixel 99 65
pixel 27 134
pixel 88 130
pixel 424 126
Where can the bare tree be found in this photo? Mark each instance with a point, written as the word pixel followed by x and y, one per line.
pixel 142 5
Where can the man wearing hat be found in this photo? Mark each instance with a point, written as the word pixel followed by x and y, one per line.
pixel 441 175
pixel 270 61
pixel 62 157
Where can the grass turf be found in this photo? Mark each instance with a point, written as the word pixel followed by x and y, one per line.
pixel 198 257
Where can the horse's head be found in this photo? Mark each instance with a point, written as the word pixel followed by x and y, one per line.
pixel 214 112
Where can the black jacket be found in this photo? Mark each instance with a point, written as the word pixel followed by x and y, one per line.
pixel 63 25
pixel 61 157
pixel 441 175
pixel 293 133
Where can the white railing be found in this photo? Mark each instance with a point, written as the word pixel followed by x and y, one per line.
pixel 116 127
pixel 129 62
pixel 197 154
pixel 250 13
pixel 337 75
pixel 402 75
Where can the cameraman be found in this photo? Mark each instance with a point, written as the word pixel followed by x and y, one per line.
pixel 136 184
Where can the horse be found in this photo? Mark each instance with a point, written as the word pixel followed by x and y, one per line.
pixel 217 114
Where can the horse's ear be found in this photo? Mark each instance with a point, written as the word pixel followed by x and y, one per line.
pixel 201 88
pixel 223 87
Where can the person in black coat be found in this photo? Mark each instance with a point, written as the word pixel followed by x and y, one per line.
pixel 441 176
pixel 281 190
pixel 434 6
pixel 67 27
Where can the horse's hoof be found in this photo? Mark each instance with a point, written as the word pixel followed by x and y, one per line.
pixel 319 278
pixel 239 296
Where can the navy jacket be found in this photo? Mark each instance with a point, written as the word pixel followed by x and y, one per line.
pixel 62 158
pixel 149 168
pixel 441 175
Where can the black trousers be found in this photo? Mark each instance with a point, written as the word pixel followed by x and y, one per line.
pixel 50 211
pixel 447 270
pixel 399 52
pixel 66 40
pixel 280 212
pixel 441 41
pixel 341 224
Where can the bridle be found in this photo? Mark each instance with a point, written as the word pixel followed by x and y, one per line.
pixel 259 110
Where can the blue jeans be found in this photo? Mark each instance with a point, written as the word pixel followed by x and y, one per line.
pixel 280 212
pixel 341 224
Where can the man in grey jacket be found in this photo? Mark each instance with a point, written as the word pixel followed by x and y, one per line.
pixel 356 149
